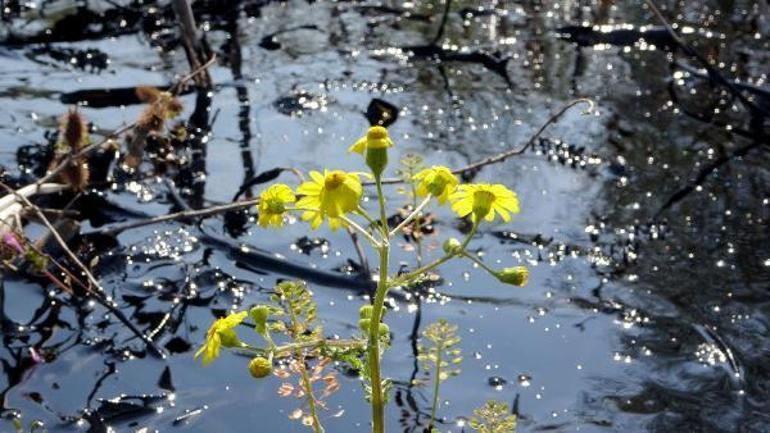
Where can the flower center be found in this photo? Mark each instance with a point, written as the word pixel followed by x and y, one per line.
pixel 275 205
pixel 334 180
pixel 482 203
pixel 437 185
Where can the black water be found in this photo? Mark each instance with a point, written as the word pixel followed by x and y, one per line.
pixel 645 224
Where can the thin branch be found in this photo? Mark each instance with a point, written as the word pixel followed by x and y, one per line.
pixel 713 73
pixel 185 214
pixel 555 116
pixel 415 213
pixel 99 294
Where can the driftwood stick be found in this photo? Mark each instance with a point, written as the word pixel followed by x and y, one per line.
pixel 99 293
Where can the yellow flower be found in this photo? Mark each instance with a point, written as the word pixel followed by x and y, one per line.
pixel 483 200
pixel 437 181
pixel 272 204
pixel 221 333
pixel 329 196
pixel 376 138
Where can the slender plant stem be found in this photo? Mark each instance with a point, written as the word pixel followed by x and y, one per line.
pixel 299 357
pixel 378 401
pixel 287 349
pixel 417 233
pixel 479 262
pixel 415 213
pixel 361 230
pixel 361 211
pixel 405 278
pixel 436 384
pixel 317 428
pixel 383 212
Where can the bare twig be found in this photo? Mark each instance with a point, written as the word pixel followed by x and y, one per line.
pixel 513 152
pixel 98 294
pixel 191 41
pixel 713 73
pixel 185 214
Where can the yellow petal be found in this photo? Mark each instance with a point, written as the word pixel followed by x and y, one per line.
pixel 359 146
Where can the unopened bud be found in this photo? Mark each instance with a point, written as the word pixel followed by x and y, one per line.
pixel 260 367
pixel 517 276
pixel 452 246
pixel 365 312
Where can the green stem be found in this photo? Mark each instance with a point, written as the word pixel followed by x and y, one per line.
pixel 378 401
pixel 317 428
pixel 306 383
pixel 361 230
pixel 436 384
pixel 405 278
pixel 383 212
pixel 417 225
pixel 479 262
pixel 415 213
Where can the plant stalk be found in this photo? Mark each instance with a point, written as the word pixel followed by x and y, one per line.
pixel 436 384
pixel 378 401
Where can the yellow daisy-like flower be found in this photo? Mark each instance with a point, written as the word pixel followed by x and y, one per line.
pixel 329 196
pixel 376 138
pixel 272 204
pixel 221 333
pixel 483 200
pixel 437 181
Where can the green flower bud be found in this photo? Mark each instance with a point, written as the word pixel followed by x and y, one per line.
pixel 377 159
pixel 259 315
pixel 384 330
pixel 365 312
pixel 260 367
pixel 229 338
pixel 452 246
pixel 364 325
pixel 517 276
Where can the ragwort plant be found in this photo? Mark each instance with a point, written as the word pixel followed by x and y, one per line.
pixel 294 340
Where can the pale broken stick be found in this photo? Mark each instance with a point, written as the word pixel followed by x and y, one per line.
pixel 98 294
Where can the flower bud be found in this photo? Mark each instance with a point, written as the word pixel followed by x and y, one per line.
pixel 365 312
pixel 229 338
pixel 452 246
pixel 260 367
pixel 384 330
pixel 364 325
pixel 517 276
pixel 377 159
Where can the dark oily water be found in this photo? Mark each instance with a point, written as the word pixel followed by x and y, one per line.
pixel 644 225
